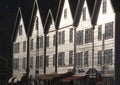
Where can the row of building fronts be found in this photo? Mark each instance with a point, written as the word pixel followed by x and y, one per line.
pixel 69 42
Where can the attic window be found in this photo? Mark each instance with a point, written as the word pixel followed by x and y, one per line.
pixel 65 13
pixel 20 29
pixel 104 6
pixel 84 13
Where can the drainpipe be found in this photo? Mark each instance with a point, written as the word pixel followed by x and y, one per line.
pixel 56 51
pixel 45 52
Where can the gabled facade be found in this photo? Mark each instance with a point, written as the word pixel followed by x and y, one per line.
pixel 19 46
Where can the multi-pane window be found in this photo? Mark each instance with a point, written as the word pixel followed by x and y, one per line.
pixel 54 39
pixel 108 56
pixel 65 13
pixel 16 48
pixel 100 58
pixel 20 29
pixel 41 61
pixel 109 30
pixel 47 41
pixel 53 60
pixel 16 64
pixel 24 46
pixel 88 35
pixel 80 37
pixel 104 6
pixel 24 63
pixel 41 42
pixel 62 37
pixel 37 42
pixel 71 57
pixel 31 62
pixel 86 58
pixel 37 61
pixel 99 32
pixel 79 57
pixel 47 61
pixel 61 58
pixel 71 35
pixel 84 13
pixel 31 44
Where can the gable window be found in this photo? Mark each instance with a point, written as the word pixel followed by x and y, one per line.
pixel 16 48
pixel 65 13
pixel 41 61
pixel 24 63
pixel 109 30
pixel 37 42
pixel 104 6
pixel 99 32
pixel 61 37
pixel 70 57
pixel 24 46
pixel 86 58
pixel 47 41
pixel 47 61
pixel 31 44
pixel 61 59
pixel 88 35
pixel 84 13
pixel 80 37
pixel 20 29
pixel 54 39
pixel 31 62
pixel 71 35
pixel 41 42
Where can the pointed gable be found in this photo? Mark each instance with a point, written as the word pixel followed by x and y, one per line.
pixel 49 24
pixel 35 19
pixel 19 28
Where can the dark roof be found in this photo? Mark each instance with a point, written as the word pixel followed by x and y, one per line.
pixel 73 5
pixel 78 12
pixel 48 21
pixel 116 5
pixel 95 13
pixel 17 21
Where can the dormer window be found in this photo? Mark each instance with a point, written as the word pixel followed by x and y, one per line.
pixel 104 6
pixel 84 13
pixel 20 29
pixel 65 13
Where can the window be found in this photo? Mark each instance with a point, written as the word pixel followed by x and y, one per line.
pixel 41 61
pixel 54 39
pixel 108 56
pixel 88 35
pixel 37 61
pixel 79 57
pixel 24 63
pixel 16 48
pixel 16 64
pixel 47 41
pixel 70 57
pixel 99 32
pixel 109 30
pixel 20 29
pixel 37 42
pixel 86 58
pixel 53 60
pixel 104 6
pixel 71 35
pixel 24 46
pixel 100 58
pixel 61 37
pixel 65 13
pixel 47 61
pixel 80 37
pixel 31 62
pixel 61 59
pixel 41 42
pixel 31 44
pixel 84 13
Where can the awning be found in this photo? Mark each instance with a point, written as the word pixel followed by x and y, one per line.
pixel 71 78
pixel 11 79
pixel 49 76
pixel 14 79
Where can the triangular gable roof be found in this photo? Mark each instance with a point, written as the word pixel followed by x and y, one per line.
pixel 78 12
pixel 95 13
pixel 48 21
pixel 17 21
pixel 72 4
